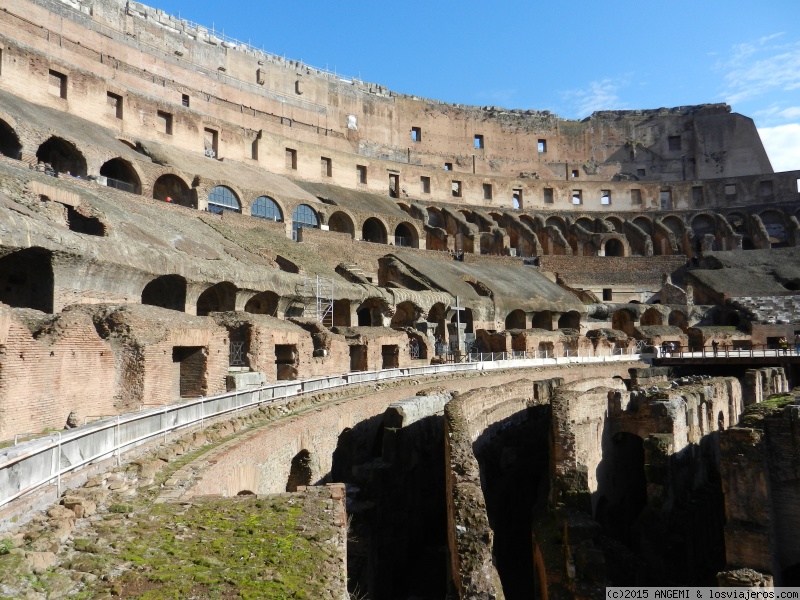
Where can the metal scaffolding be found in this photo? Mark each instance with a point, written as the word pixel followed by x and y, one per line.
pixel 317 294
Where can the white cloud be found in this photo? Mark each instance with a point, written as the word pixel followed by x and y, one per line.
pixel 601 95
pixel 782 144
pixel 758 68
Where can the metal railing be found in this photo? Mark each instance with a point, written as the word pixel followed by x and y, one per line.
pixel 726 351
pixel 32 465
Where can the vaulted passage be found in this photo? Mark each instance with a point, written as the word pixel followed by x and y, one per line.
pixel 9 142
pixel 218 298
pixel 121 175
pixel 26 279
pixel 172 189
pixel 167 291
pixel 63 156
pixel 514 465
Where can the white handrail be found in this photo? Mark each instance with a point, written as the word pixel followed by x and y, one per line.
pixel 31 465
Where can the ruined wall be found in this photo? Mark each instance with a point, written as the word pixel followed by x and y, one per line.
pixel 63 367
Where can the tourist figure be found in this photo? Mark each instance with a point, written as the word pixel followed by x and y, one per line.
pixel 797 343
pixel 714 346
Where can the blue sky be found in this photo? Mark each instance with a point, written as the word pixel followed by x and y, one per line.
pixel 570 58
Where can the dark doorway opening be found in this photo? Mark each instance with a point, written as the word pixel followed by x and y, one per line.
pixel 191 362
pixel 300 471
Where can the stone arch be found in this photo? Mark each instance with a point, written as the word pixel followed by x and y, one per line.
pixel 614 247
pixel 374 230
pixel 651 316
pixel 542 320
pixel 529 221
pixel 63 156
pixel 465 316
pixel 675 225
pixel 341 222
pixel 435 217
pixel 405 234
pixel 586 223
pixel 437 315
pixel 167 291
pixel 623 320
pixel 263 303
pixel 304 217
pixel 616 223
pixel 120 171
pixel 644 224
pixel 406 314
pixel 220 297
pixel 570 320
pixel 702 224
pixel 679 319
pixel 370 312
pixel 27 280
pixel 299 471
pixel 10 145
pixel 557 222
pixel 222 198
pixel 516 319
pixel 775 224
pixel 171 187
pixel 267 208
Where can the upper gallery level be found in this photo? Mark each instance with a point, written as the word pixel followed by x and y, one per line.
pixel 151 76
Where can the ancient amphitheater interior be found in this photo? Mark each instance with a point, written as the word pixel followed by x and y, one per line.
pixel 423 350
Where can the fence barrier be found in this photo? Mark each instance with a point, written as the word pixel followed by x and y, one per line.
pixel 31 465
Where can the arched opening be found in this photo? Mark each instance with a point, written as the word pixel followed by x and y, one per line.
pixel 121 175
pixel 542 320
pixel 406 235
pixel 558 223
pixel 616 224
pixel 300 471
pixel 342 223
pixel 246 493
pixel 570 320
pixel 220 297
pixel 465 317
pixel 373 231
pixel 171 188
pixel 9 142
pixel 437 315
pixel 370 313
pixel 264 303
pixel 703 225
pixel 678 319
pixel 623 320
pixel 167 291
pixel 26 279
pixel 303 217
pixel 435 218
pixel 586 223
pixel 644 224
pixel 615 247
pixel 266 208
pixel 223 198
pixel 651 317
pixel 515 319
pixel 623 487
pixel 776 228
pixel 405 315
pixel 63 156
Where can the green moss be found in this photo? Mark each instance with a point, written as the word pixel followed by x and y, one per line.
pixel 755 414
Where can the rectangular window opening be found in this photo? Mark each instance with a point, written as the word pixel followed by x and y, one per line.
pixel 191 370
pixel 254 149
pixel 361 174
pixel 575 173
pixel 326 166
pixel 516 197
pixel 416 134
pixel 286 361
pixel 765 189
pixel 542 146
pixel 185 100
pixel 605 197
pixel 548 196
pixel 456 189
pixel 665 197
pixel 448 166
pixel 636 196
pixel 487 191
pixel 58 84
pixel 674 142
pixel 478 142
pixel 390 353
pixel 577 197
pixel 425 184
pixel 210 142
pixel 640 172
pixel 698 195
pixel 394 185
pixel 164 120
pixel 114 103
pixel 730 190
pixel 291 159
pixel 607 294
